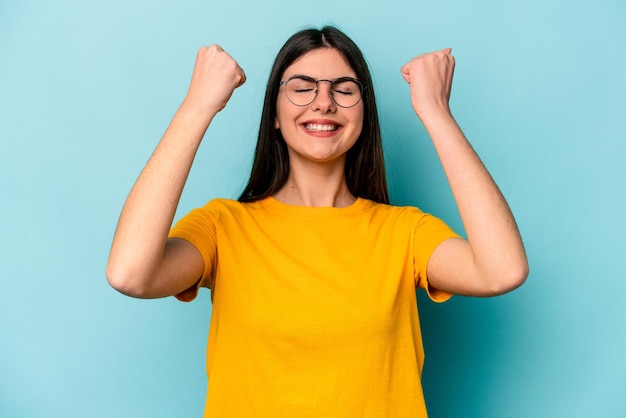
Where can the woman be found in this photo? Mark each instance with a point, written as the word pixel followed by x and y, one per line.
pixel 312 273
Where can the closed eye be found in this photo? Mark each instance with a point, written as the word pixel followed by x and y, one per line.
pixel 346 86
pixel 344 92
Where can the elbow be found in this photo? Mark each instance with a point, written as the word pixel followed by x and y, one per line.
pixel 124 280
pixel 516 278
pixel 509 278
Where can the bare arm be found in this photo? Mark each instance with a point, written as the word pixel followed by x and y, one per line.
pixel 143 262
pixel 492 260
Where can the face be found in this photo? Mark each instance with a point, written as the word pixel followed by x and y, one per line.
pixel 321 131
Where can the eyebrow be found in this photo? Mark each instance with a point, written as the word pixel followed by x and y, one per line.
pixel 302 76
pixel 318 79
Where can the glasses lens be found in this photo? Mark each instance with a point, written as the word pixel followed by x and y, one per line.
pixel 346 92
pixel 301 91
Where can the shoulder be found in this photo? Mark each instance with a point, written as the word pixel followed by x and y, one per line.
pixel 222 209
pixel 410 214
pixel 221 205
pixel 209 213
pixel 409 218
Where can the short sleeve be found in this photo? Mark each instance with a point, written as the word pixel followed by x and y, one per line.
pixel 430 231
pixel 198 227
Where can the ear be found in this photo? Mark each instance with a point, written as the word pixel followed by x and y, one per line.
pixel 276 124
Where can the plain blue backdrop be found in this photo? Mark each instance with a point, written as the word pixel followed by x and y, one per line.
pixel 88 88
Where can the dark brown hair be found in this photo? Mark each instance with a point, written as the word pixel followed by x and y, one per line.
pixel 365 164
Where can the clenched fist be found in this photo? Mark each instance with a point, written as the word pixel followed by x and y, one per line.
pixel 215 76
pixel 430 78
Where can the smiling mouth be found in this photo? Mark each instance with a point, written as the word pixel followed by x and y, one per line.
pixel 317 127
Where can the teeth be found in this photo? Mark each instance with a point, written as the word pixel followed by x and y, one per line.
pixel 318 127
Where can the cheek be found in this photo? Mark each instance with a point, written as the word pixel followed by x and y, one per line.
pixel 285 114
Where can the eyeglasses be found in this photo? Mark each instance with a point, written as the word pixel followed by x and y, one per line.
pixel 302 90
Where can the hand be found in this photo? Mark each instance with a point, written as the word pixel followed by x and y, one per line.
pixel 430 78
pixel 215 76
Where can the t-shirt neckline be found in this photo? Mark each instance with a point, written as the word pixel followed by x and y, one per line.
pixel 276 205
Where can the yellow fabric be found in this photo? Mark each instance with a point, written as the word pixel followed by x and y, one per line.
pixel 314 309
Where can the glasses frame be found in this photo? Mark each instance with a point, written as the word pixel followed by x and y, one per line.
pixel 362 88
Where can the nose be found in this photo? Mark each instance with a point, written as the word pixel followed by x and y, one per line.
pixel 324 99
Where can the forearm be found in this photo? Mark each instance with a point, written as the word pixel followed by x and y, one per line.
pixel 497 250
pixel 147 215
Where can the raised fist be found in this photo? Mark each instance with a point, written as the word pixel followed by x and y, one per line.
pixel 215 76
pixel 430 77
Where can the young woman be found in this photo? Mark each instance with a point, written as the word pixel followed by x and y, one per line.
pixel 312 272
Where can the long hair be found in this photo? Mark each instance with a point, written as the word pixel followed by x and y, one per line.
pixel 365 164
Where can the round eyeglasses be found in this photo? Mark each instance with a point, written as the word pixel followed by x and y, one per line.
pixel 302 90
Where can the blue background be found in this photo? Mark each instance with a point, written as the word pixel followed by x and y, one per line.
pixel 88 88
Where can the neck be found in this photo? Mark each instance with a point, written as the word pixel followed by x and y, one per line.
pixel 316 184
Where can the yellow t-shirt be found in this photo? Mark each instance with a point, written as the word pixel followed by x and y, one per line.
pixel 314 309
